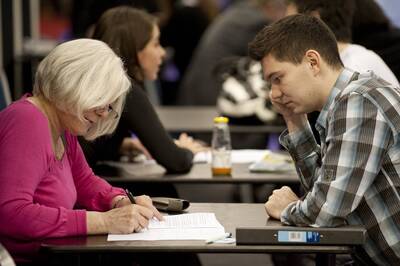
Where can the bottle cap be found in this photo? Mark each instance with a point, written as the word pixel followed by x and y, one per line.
pixel 221 119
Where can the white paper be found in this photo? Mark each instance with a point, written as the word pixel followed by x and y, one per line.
pixel 192 226
pixel 273 162
pixel 238 156
pixel 247 156
pixel 189 220
pixel 202 157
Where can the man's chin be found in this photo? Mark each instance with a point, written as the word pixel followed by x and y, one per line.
pixel 298 111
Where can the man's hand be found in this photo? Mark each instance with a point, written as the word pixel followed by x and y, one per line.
pixel 293 121
pixel 280 107
pixel 279 200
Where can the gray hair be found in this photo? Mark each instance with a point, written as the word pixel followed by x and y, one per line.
pixel 81 75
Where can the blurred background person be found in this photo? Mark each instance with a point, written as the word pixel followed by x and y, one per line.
pixel 391 8
pixel 85 14
pixel 134 35
pixel 373 29
pixel 338 15
pixel 182 25
pixel 227 36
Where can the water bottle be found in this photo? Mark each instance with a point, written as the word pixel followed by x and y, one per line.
pixel 221 147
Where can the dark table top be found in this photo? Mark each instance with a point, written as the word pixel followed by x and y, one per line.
pixel 199 119
pixel 200 173
pixel 231 216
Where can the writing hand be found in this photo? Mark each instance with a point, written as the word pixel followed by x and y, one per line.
pixel 127 219
pixel 146 201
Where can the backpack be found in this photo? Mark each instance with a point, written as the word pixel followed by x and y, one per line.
pixel 244 94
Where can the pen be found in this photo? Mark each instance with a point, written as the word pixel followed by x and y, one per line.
pixel 218 237
pixel 130 196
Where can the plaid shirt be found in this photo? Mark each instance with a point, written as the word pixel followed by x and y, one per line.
pixel 354 176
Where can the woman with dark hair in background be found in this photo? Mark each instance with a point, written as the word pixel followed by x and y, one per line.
pixel 134 35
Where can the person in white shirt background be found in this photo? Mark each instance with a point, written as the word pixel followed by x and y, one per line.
pixel 338 14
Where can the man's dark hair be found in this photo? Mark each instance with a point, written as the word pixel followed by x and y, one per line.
pixel 337 14
pixel 290 38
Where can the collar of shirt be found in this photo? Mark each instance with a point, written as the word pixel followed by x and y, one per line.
pixel 345 77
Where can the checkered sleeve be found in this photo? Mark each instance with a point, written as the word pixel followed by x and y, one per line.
pixel 356 140
pixel 305 151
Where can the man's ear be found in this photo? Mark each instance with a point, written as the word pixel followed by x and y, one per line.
pixel 313 59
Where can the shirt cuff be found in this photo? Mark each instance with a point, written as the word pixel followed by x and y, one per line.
pixel 115 191
pixel 76 223
pixel 287 212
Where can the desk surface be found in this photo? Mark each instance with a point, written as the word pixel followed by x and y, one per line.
pixel 230 216
pixel 201 173
pixel 199 119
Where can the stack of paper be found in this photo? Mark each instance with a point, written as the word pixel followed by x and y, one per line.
pixel 273 162
pixel 238 156
pixel 193 226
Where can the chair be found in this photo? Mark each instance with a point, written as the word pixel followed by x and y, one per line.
pixel 5 97
pixel 5 258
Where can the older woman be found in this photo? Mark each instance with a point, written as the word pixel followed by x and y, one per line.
pixel 47 188
pixel 134 35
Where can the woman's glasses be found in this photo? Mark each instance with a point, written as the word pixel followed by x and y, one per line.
pixel 109 109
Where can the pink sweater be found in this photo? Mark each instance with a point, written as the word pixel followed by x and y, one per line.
pixel 41 197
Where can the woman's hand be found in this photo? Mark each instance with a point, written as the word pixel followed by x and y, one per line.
pixel 131 145
pixel 146 201
pixel 143 200
pixel 127 219
pixel 123 220
pixel 189 143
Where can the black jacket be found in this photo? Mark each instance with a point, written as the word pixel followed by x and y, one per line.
pixel 140 118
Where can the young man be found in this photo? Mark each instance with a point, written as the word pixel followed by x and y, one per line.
pixel 354 176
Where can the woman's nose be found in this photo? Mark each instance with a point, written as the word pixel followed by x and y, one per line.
pixel 163 52
pixel 103 114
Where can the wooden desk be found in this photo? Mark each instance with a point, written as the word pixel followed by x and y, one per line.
pixel 230 216
pixel 201 173
pixel 199 119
